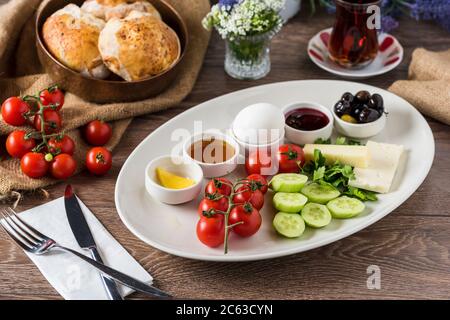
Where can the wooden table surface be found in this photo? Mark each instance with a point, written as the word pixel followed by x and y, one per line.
pixel 410 245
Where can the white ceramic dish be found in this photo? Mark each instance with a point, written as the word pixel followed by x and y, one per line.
pixel 178 166
pixel 360 130
pixel 301 136
pixel 246 148
pixel 172 228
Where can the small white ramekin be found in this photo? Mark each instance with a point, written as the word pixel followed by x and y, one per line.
pixel 360 130
pixel 246 148
pixel 212 170
pixel 178 166
pixel 302 136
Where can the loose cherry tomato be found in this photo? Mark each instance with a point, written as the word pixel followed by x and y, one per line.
pixel 219 185
pixel 63 166
pixel 63 145
pixel 207 205
pixel 211 230
pixel 17 145
pixel 259 161
pixel 260 181
pixel 290 158
pixel 13 110
pixel 97 133
pixel 98 160
pixel 250 218
pixel 33 164
pixel 246 194
pixel 52 96
pixel 52 120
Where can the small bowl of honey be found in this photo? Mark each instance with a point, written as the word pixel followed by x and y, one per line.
pixel 216 153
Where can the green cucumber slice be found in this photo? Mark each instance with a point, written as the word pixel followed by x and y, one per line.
pixel 289 202
pixel 320 193
pixel 316 215
pixel 290 225
pixel 345 207
pixel 288 182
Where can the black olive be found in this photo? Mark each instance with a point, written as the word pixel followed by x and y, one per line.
pixel 376 102
pixel 363 96
pixel 368 115
pixel 342 107
pixel 347 97
pixel 356 110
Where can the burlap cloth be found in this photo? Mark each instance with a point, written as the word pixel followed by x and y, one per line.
pixel 21 73
pixel 428 87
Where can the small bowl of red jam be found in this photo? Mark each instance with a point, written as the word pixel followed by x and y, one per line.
pixel 305 122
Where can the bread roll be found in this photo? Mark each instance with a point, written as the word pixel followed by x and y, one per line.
pixel 107 9
pixel 71 35
pixel 138 46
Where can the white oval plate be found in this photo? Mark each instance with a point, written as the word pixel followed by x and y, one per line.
pixel 389 56
pixel 172 228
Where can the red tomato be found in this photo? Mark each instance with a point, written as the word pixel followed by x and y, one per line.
pixel 250 218
pixel 97 133
pixel 17 145
pixel 13 110
pixel 246 194
pixel 219 185
pixel 290 158
pixel 33 164
pixel 54 97
pixel 63 166
pixel 207 205
pixel 98 160
pixel 260 162
pixel 63 145
pixel 211 230
pixel 260 181
pixel 52 120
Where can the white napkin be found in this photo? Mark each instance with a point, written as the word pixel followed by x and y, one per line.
pixel 73 278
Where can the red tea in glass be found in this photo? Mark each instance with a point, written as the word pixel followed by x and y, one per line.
pixel 353 43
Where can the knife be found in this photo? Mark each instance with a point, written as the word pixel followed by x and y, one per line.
pixel 84 237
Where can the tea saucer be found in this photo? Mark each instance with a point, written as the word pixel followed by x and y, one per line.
pixel 389 56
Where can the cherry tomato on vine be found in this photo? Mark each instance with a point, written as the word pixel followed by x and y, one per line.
pixel 17 145
pixel 98 160
pixel 33 164
pixel 259 161
pixel 250 218
pixel 61 145
pixel 220 186
pixel 211 230
pixel 63 166
pixel 52 96
pixel 97 133
pixel 260 181
pixel 246 194
pixel 13 110
pixel 290 158
pixel 207 205
pixel 52 120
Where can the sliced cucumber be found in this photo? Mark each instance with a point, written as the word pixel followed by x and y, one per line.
pixel 345 207
pixel 288 182
pixel 316 215
pixel 320 193
pixel 290 225
pixel 289 202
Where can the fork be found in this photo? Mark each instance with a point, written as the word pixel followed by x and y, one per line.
pixel 35 242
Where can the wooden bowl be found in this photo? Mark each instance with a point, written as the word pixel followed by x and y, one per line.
pixel 112 89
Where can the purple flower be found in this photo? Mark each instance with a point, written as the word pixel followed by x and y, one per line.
pixel 230 3
pixel 388 23
pixel 438 10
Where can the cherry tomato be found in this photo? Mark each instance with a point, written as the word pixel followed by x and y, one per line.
pixel 63 145
pixel 219 185
pixel 290 158
pixel 52 120
pixel 246 194
pixel 33 164
pixel 260 162
pixel 63 166
pixel 211 230
pixel 52 96
pixel 13 110
pixel 17 145
pixel 250 218
pixel 98 160
pixel 260 181
pixel 207 205
pixel 97 133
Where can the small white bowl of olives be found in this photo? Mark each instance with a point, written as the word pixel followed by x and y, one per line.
pixel 361 116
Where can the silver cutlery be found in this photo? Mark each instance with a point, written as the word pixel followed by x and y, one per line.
pixel 85 239
pixel 31 240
